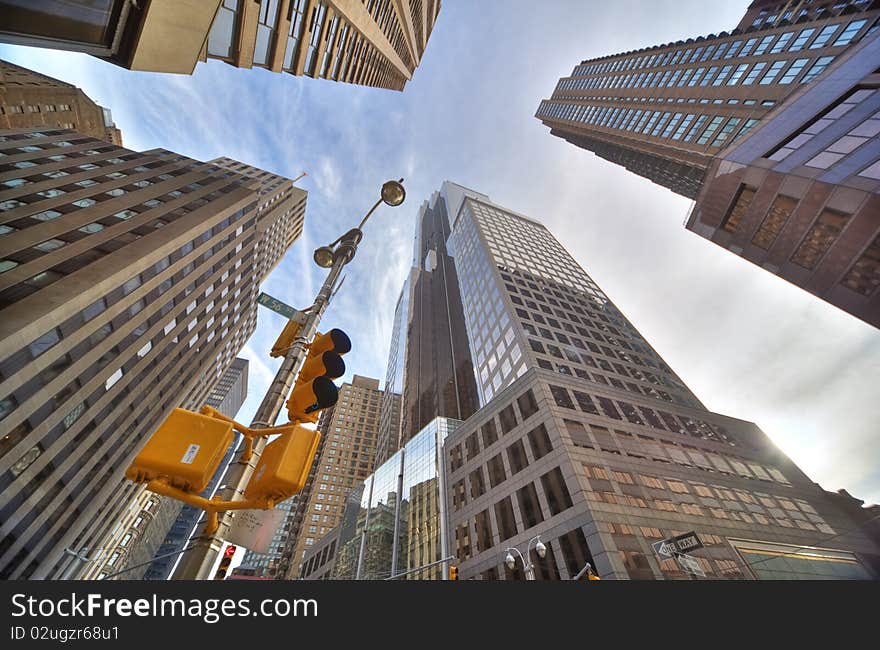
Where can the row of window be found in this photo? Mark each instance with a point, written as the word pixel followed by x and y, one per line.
pixel 701 129
pixel 791 41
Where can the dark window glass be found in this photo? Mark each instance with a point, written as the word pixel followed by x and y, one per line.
pixel 561 396
pixel 496 470
pixel 540 441
pixel 527 404
pixel 505 518
pixel 490 433
pixel 558 497
pixel 478 484
pixel 483 527
pixel 516 456
pixel 507 417
pixel 529 507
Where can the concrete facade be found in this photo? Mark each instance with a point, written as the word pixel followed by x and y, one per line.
pixel 128 286
pixel 30 100
pixel 665 112
pixel 368 42
pixel 800 195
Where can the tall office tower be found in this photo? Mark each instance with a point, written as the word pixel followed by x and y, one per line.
pixel 438 372
pixel 227 396
pixel 29 99
pixel 587 438
pixel 127 286
pixel 230 392
pixel 800 194
pixel 664 112
pixel 373 42
pixel 345 457
pixel 388 440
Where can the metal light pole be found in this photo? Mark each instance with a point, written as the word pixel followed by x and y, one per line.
pixel 197 564
pixel 528 567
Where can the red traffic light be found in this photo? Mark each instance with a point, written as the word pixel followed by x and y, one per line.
pixel 230 551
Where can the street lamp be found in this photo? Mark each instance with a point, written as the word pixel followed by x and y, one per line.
pixel 333 256
pixel 528 567
pixel 344 247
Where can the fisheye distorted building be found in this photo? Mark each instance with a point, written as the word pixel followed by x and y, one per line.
pixel 772 128
pixel 586 437
pixel 127 287
pixel 368 42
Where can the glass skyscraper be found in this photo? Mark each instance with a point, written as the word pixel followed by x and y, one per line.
pixel 395 521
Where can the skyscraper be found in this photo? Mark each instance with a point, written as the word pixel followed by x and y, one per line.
pixel 665 111
pixel 772 128
pixel 345 456
pixel 227 396
pixel 394 521
pixel 372 43
pixel 29 99
pixel 800 194
pixel 587 438
pixel 429 342
pixel 127 286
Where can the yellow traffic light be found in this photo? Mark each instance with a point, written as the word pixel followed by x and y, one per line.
pixel 285 339
pixel 314 389
pixel 283 466
pixel 593 576
pixel 184 452
pixel 453 572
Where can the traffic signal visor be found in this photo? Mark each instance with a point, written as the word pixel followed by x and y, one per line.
pixel 185 451
pixel 283 466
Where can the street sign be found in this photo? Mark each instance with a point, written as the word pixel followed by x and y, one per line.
pixel 665 548
pixel 687 542
pixel 681 544
pixel 254 529
pixel 690 564
pixel 280 307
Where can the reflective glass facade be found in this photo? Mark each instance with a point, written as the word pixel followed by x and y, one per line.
pixel 394 521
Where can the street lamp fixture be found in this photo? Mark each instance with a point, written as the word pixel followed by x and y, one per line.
pixel 323 257
pixel 393 193
pixel 344 247
pixel 528 567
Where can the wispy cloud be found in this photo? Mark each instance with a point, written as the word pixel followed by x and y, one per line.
pixel 747 343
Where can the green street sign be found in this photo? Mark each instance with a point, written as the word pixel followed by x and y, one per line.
pixel 278 307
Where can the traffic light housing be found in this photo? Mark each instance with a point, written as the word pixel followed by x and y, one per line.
pixel 185 451
pixel 453 572
pixel 225 561
pixel 285 339
pixel 284 465
pixel 314 389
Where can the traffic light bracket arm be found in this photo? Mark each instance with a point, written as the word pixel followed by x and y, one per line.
pixel 210 506
pixel 248 433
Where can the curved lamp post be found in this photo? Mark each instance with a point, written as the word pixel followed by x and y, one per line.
pixel 528 567
pixel 333 256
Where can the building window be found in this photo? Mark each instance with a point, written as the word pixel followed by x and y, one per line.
pixel 540 442
pixel 820 238
pixel 529 506
pixel 558 496
pixel 773 222
pixel 740 205
pixel 864 275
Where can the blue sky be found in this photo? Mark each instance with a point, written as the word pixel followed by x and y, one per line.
pixel 747 343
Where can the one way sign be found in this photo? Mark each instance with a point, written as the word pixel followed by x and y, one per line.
pixel 676 545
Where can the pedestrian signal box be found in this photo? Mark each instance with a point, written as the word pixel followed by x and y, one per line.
pixel 185 452
pixel 284 466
